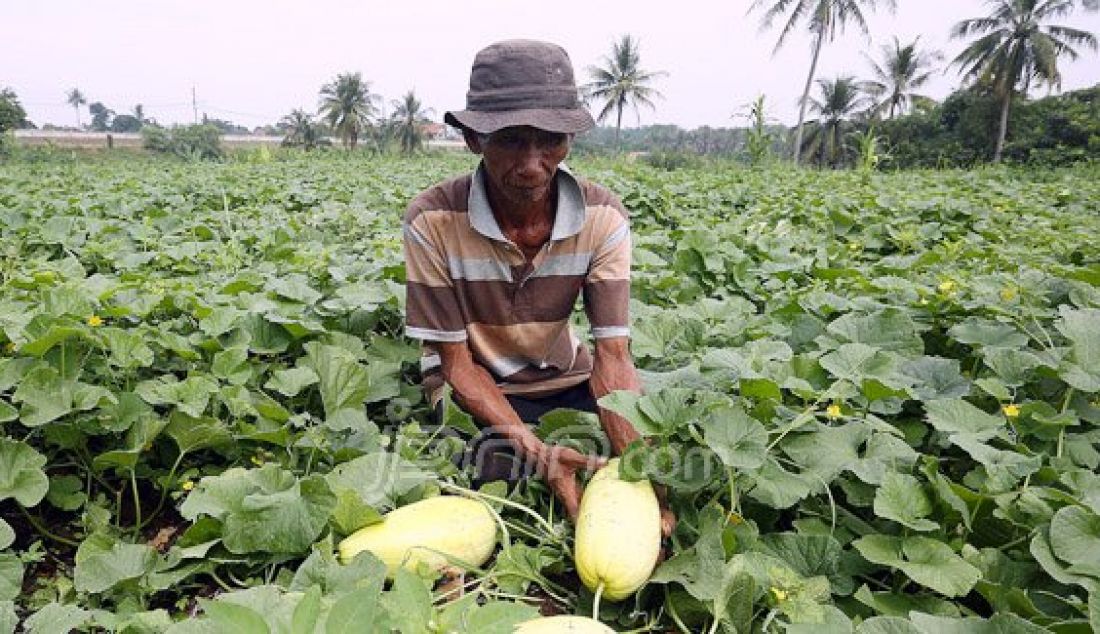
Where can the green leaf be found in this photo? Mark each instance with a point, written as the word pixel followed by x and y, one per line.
pixel 957 416
pixel 66 492
pixel 1094 611
pixel 191 395
pixel 352 612
pixel 232 366
pixel 779 488
pixel 827 451
pixel 21 474
pixel 901 498
pixel 738 440
pixel 44 395
pixel 11 576
pixel 7 534
pixel 1082 328
pixel 292 381
pixel 1040 549
pixel 654 414
pixel 1075 538
pixel 191 434
pixel 378 478
pixel 56 617
pixel 307 612
pixel 500 617
pixel 890 329
pixel 855 361
pixel 999 624
pixel 517 564
pixel 231 617
pixel 263 510
pixel 991 334
pixel 887 625
pixel 295 287
pixel 7 412
pixel 103 562
pixel 409 603
pixel 9 620
pixel 935 378
pixel 344 382
pixel 336 579
pixel 128 349
pixel 700 569
pixel 926 561
pixel 352 513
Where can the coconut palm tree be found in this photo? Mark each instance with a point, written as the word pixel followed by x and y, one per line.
pixel 76 99
pixel 902 71
pixel 841 100
pixel 409 116
pixel 301 131
pixel 824 19
pixel 620 82
pixel 347 105
pixel 1016 46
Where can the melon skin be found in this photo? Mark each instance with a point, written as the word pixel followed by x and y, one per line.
pixel 618 535
pixel 425 531
pixel 563 625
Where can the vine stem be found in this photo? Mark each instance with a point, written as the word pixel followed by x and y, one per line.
pixel 45 532
pixel 549 528
pixel 596 602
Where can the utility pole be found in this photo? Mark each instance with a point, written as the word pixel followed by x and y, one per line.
pixel 194 105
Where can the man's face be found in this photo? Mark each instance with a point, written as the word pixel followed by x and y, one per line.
pixel 521 161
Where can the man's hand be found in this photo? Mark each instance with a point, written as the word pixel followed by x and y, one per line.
pixel 558 466
pixel 479 395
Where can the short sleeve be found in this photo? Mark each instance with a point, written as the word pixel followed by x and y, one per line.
pixel 431 307
pixel 607 284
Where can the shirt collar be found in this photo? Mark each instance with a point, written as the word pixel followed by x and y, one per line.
pixel 568 217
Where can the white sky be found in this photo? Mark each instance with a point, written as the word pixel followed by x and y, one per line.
pixel 252 61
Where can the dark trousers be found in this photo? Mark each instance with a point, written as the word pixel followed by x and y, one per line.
pixel 493 456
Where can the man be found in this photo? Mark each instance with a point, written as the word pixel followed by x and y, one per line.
pixel 495 263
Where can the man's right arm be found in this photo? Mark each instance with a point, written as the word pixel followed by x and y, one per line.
pixel 479 395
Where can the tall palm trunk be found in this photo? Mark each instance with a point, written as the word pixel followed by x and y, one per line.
pixel 618 129
pixel 818 45
pixel 1003 131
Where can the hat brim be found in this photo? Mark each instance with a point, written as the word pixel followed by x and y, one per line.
pixel 564 120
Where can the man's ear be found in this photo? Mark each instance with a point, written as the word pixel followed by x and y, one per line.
pixel 472 142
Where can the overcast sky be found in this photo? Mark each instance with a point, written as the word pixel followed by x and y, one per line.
pixel 252 61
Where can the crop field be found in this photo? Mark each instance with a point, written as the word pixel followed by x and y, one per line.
pixel 874 400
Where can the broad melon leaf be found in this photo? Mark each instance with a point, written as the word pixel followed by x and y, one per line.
pixel 21 474
pixel 902 499
pixel 929 562
pixel 102 562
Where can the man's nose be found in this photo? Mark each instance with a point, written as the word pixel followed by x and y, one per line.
pixel 530 157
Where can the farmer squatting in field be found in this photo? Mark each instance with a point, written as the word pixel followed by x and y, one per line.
pixel 496 259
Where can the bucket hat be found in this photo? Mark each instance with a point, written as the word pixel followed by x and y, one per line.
pixel 522 83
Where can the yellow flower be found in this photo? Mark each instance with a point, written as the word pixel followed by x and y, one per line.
pixel 187 485
pixel 95 321
pixel 948 286
pixel 779 593
pixel 833 411
pixel 855 246
pixel 1011 410
pixel 1008 294
pixel 734 518
pixel 257 460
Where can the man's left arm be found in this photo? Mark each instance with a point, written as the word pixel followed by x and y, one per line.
pixel 614 370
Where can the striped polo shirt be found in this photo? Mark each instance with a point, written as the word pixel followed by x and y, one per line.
pixel 467 282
